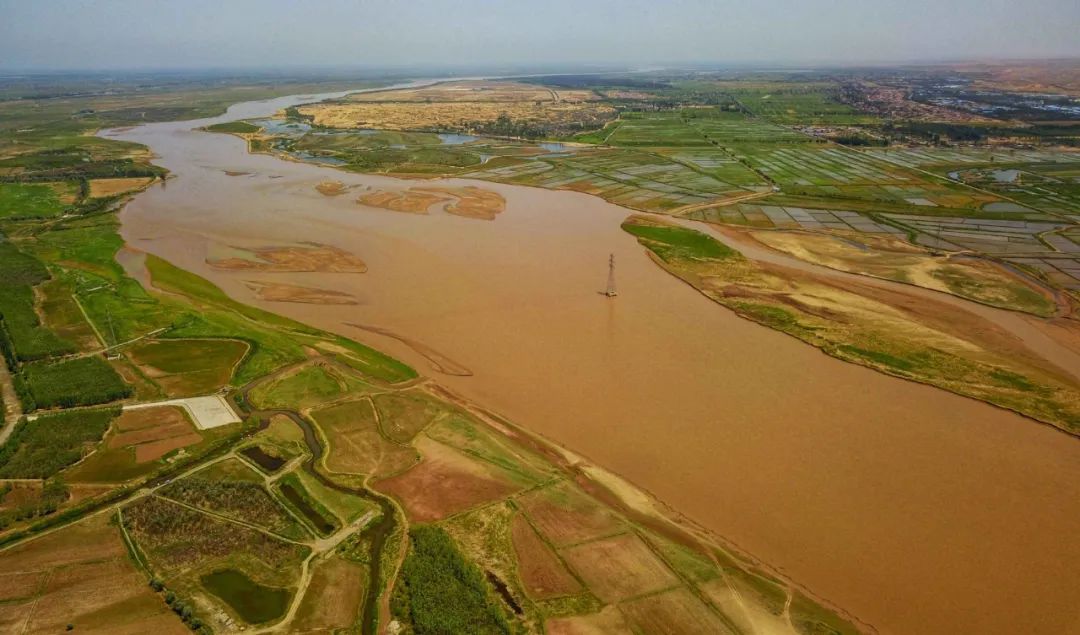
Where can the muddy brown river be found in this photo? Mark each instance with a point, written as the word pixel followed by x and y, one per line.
pixel 915 510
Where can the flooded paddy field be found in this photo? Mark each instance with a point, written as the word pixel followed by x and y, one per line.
pixel 915 510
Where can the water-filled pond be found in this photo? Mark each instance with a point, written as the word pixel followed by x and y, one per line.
pixel 267 462
pixel 253 602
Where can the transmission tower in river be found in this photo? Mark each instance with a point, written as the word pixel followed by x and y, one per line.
pixel 611 292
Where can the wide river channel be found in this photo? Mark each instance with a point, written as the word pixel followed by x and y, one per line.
pixel 915 510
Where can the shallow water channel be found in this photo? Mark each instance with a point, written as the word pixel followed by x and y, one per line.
pixel 914 509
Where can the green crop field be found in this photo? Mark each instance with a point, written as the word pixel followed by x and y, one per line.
pixel 21 201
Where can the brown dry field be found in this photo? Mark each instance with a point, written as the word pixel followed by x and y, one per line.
pixel 333 598
pixel 156 449
pixel 674 612
pixel 186 384
pixel 19 585
pixel 167 428
pixel 89 540
pixel 91 583
pixel 895 259
pixel 330 188
pixel 130 420
pixel 619 568
pixel 446 482
pixel 566 516
pixel 153 432
pixel 21 492
pixel 541 571
pixel 453 115
pixel 13 616
pixel 609 621
pixel 312 257
pixel 100 188
pixel 474 91
pixel 84 491
pixel 281 292
pixel 356 447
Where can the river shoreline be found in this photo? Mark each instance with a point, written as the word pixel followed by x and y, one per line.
pixel 877 494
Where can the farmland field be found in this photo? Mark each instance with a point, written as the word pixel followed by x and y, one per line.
pixel 31 201
pixel 357 445
pixel 135 445
pixel 189 367
pixel 358 491
pixel 81 576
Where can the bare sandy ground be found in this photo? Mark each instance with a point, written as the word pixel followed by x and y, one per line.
pixel 206 412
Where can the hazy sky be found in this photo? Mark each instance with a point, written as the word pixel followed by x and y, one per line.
pixel 108 34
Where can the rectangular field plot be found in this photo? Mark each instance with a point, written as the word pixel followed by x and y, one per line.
pixel 1047 193
pixel 632 179
pixel 81 575
pixel 655 129
pixel 922 157
pixel 804 104
pixel 791 217
pixel 735 128
pixel 822 166
pixel 619 568
pixel 719 164
pixel 1058 269
pixel 989 236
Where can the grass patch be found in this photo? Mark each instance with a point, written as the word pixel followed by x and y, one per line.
pixel 25 200
pixel 276 341
pixel 189 367
pixel 671 243
pixel 879 357
pixel 297 496
pixel 345 507
pixel 235 127
pixel 305 388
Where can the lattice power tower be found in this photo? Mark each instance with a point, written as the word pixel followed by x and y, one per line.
pixel 611 292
